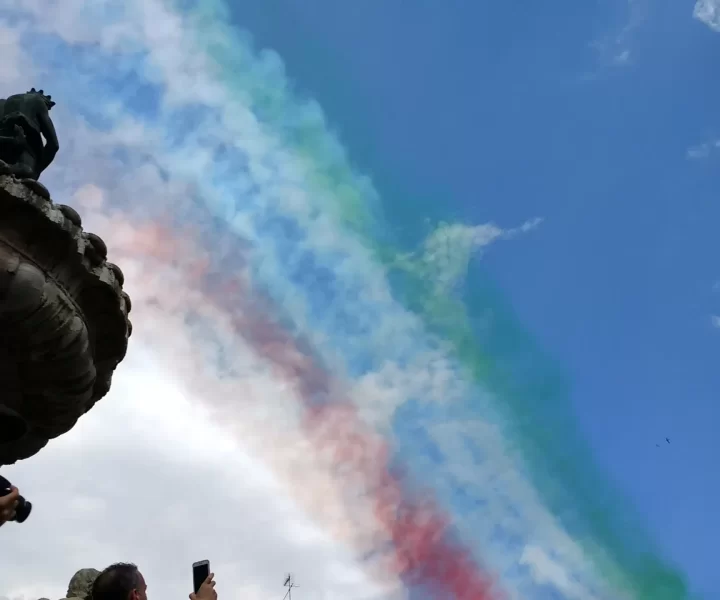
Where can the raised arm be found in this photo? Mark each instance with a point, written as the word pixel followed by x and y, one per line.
pixel 51 142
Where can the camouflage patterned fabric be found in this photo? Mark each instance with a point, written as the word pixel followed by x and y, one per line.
pixel 81 583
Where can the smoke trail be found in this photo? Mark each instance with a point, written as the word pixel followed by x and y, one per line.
pixel 421 548
pixel 267 167
pixel 424 552
pixel 562 467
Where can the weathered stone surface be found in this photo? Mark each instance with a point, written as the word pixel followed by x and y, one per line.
pixel 81 583
pixel 64 324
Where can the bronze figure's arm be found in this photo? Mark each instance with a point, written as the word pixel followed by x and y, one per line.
pixel 18 139
pixel 48 130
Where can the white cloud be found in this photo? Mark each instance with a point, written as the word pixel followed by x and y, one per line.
pixel 708 11
pixel 715 321
pixel 446 253
pixel 546 571
pixel 614 48
pixel 14 67
pixel 703 150
pixel 147 477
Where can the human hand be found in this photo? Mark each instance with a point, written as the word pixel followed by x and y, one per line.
pixel 7 506
pixel 207 590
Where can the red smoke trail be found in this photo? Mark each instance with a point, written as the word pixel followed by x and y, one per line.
pixel 422 551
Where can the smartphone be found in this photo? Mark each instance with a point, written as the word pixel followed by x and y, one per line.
pixel 201 571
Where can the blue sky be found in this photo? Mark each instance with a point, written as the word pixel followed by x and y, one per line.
pixel 582 114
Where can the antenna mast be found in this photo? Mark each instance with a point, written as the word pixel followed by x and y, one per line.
pixel 289 584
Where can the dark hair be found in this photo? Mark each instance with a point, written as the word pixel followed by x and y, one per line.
pixel 116 582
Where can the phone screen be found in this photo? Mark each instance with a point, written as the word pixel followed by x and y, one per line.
pixel 201 570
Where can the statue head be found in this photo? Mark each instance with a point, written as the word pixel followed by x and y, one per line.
pixel 48 99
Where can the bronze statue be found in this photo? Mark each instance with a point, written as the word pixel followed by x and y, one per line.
pixel 64 323
pixel 24 122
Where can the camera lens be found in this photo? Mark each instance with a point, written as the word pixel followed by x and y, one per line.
pixel 22 511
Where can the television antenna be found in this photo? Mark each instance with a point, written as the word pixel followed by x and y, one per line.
pixel 289 584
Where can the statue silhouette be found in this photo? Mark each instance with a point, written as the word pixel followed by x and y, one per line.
pixel 24 122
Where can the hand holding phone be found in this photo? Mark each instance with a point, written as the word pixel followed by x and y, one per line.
pixel 203 582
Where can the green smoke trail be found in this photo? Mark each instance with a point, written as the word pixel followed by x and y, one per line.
pixel 532 394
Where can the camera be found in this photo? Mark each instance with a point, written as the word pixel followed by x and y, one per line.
pixel 22 510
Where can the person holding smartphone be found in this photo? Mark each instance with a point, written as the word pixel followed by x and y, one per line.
pixel 123 581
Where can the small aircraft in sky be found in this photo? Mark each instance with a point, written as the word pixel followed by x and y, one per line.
pixel 667 440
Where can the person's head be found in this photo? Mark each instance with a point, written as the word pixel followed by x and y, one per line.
pixel 121 581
